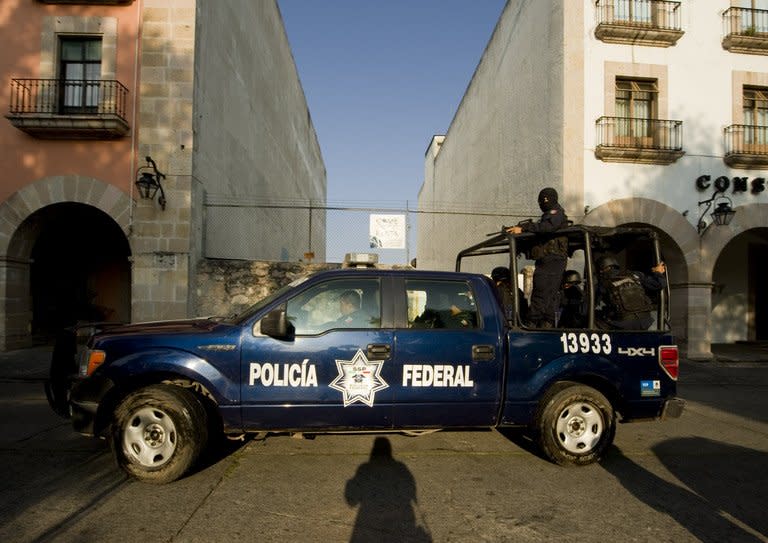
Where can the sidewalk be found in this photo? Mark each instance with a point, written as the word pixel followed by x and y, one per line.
pixel 741 352
pixel 33 363
pixel 30 364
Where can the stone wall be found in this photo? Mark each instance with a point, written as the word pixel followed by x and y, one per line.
pixel 230 286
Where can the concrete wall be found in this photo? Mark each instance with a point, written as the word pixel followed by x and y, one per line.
pixel 254 139
pixel 505 142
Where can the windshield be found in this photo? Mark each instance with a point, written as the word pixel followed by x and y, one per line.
pixel 239 318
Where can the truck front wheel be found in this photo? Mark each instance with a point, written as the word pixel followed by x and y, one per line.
pixel 576 424
pixel 158 433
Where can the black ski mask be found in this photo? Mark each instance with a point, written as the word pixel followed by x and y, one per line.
pixel 547 199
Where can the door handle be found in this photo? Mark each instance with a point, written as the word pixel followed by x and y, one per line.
pixel 482 353
pixel 379 351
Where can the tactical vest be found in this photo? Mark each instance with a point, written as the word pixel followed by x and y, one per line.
pixel 626 296
pixel 553 246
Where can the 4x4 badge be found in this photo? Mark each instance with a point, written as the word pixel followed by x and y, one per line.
pixel 359 379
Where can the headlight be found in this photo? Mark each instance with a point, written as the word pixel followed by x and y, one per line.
pixel 90 360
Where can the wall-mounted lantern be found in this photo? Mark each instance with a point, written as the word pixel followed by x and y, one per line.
pixel 148 182
pixel 721 216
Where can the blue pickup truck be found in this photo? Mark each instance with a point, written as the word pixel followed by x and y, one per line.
pixel 380 350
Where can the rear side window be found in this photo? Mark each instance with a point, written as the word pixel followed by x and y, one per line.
pixel 440 304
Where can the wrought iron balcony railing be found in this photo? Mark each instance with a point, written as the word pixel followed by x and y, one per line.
pixel 631 139
pixel 745 30
pixel 644 22
pixel 746 146
pixel 59 108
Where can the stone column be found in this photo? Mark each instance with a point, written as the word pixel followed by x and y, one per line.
pixel 16 313
pixel 162 238
pixel 699 320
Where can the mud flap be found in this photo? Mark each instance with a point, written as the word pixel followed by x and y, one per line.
pixel 673 408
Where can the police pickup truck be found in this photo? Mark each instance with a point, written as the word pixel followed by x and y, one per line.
pixel 380 350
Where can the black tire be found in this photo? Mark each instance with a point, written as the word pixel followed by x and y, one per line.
pixel 159 432
pixel 575 425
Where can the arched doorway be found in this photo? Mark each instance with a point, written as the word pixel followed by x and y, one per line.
pixel 79 268
pixel 740 291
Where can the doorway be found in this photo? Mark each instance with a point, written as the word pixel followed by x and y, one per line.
pixel 80 269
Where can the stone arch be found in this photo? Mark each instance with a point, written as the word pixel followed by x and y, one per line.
pixel 663 217
pixel 682 242
pixel 54 190
pixel 715 238
pixel 20 228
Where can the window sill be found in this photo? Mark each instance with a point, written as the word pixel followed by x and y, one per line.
pixel 751 45
pixel 635 34
pixel 637 155
pixel 748 161
pixel 73 127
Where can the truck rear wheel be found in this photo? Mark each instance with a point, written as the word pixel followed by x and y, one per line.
pixel 576 424
pixel 158 433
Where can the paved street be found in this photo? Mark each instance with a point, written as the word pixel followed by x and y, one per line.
pixel 698 478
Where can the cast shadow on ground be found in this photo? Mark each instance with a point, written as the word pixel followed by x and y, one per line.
pixel 727 496
pixel 385 491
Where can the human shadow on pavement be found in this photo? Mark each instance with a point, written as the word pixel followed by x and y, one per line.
pixel 726 487
pixel 385 491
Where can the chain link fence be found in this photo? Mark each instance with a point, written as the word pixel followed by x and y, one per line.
pixel 238 228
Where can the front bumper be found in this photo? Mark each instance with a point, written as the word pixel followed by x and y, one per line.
pixel 85 398
pixel 673 408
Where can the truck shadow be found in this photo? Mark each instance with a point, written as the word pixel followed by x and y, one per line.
pixel 385 491
pixel 722 491
pixel 523 438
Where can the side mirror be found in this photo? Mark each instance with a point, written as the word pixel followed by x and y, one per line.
pixel 276 325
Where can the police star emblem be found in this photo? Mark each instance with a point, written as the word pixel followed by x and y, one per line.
pixel 359 379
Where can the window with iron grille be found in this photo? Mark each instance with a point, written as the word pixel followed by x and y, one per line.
pixel 80 74
pixel 635 11
pixel 636 106
pixel 756 115
pixel 754 16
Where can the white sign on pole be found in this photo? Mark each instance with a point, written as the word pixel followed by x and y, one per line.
pixel 387 231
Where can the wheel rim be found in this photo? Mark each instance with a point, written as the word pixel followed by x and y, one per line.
pixel 149 437
pixel 579 427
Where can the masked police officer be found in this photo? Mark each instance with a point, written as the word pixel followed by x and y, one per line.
pixel 550 255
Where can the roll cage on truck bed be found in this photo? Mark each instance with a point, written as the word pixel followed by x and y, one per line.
pixel 635 247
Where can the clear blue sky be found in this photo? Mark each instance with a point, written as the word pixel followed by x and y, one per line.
pixel 381 77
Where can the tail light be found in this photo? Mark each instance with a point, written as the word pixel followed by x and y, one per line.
pixel 669 359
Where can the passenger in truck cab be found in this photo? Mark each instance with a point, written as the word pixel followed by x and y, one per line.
pixel 351 315
pixel 502 279
pixel 571 301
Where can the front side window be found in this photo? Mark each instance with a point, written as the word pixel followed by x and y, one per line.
pixel 636 106
pixel 80 74
pixel 336 304
pixel 440 304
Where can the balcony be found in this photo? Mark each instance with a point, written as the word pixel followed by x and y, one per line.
pixel 746 31
pixel 89 2
pixel 638 22
pixel 746 146
pixel 65 109
pixel 644 141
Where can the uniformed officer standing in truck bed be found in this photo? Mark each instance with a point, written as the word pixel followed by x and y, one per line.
pixel 550 255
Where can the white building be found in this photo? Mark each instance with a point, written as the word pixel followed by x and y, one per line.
pixel 635 111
